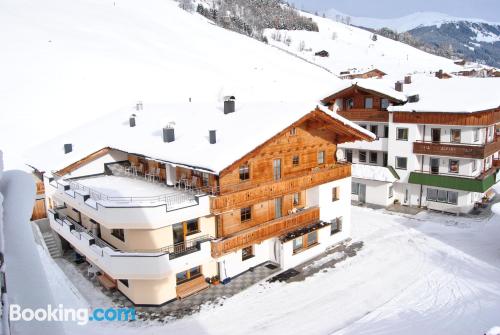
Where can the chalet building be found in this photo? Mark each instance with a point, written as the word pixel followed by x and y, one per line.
pixel 437 141
pixel 160 212
pixel 361 74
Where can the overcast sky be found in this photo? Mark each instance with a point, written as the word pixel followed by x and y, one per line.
pixel 483 9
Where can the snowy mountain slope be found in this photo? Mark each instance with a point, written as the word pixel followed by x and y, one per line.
pixel 407 22
pixel 65 63
pixel 352 47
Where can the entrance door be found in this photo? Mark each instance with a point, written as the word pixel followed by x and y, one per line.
pixel 434 163
pixel 362 193
pixel 436 134
pixel 178 230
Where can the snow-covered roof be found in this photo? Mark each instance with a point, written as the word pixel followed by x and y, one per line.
pixel 454 95
pixel 372 172
pixel 237 133
pixel 379 85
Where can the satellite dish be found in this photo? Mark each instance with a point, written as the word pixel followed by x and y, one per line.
pixel 340 155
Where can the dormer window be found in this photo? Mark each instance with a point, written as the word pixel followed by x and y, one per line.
pixel 349 103
pixel 293 131
pixel 244 172
pixel 369 103
pixel 384 103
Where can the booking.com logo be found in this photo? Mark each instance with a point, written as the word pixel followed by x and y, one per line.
pixel 79 315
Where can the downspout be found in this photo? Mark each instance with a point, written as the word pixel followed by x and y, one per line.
pixel 421 170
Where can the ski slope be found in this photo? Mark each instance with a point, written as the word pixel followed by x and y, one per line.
pixel 64 63
pixel 353 47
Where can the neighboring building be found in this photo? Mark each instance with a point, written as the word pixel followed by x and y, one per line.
pixel 158 212
pixel 361 74
pixel 436 138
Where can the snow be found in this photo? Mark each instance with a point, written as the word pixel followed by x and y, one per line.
pixel 68 63
pixel 373 172
pixel 354 48
pixel 237 133
pixel 424 274
pixel 407 22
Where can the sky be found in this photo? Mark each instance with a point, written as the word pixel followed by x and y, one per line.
pixel 484 9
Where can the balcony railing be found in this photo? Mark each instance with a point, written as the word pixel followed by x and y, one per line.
pixel 465 150
pixel 264 231
pixel 234 197
pixel 174 251
pixel 365 115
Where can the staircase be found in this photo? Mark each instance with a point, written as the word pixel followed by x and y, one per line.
pixel 51 244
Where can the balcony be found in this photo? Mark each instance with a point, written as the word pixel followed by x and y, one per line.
pixel 465 150
pixel 125 201
pixel 365 115
pixel 264 231
pixel 136 264
pixel 380 144
pixel 478 184
pixel 233 197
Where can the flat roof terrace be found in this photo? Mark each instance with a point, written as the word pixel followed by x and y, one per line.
pixel 125 191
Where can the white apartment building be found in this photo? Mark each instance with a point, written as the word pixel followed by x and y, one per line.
pixel 162 201
pixel 437 143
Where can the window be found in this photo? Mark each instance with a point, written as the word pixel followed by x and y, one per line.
pixel 391 191
pixel 374 129
pixel 436 135
pixel 124 282
pixel 336 226
pixel 246 214
pixel 293 131
pixel 453 165
pixel 449 197
pixel 373 157
pixel 295 160
pixel 368 103
pixel 384 103
pixel 296 199
pixel 348 155
pixel 247 253
pixel 244 172
pixel 386 131
pixel 192 227
pixel 402 134
pixel 205 179
pixel 401 163
pixel 474 165
pixel 384 159
pixel 354 188
pixel 362 156
pixel 119 234
pixel 278 207
pixel 476 135
pixel 349 103
pixel 455 135
pixel 335 193
pixel 312 238
pixel 187 275
pixel 434 163
pixel 321 157
pixel 363 126
pixel 297 244
pixel 277 169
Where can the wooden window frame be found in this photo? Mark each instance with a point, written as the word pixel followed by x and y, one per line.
pixel 189 275
pixel 277 171
pixel 247 213
pixel 321 154
pixel 305 242
pixel 382 104
pixel 296 160
pixel 185 227
pixel 366 100
pixel 296 203
pixel 244 172
pixel 349 103
pixel 249 255
pixel 293 131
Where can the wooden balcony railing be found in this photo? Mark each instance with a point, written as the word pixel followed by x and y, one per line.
pixel 264 231
pixel 262 192
pixel 365 115
pixel 464 150
pixel 496 163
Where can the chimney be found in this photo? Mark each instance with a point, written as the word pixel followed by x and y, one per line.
pixel 212 136
pixel 439 74
pixel 68 147
pixel 229 105
pixel 414 98
pixel 399 86
pixel 407 80
pixel 131 120
pixel 168 134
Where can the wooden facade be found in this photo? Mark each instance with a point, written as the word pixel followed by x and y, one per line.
pixel 365 115
pixel 484 118
pixel 264 231
pixel 72 167
pixel 456 150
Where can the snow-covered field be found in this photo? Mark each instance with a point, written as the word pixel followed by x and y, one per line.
pixel 429 274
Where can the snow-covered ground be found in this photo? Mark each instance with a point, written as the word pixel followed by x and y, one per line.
pixel 429 274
